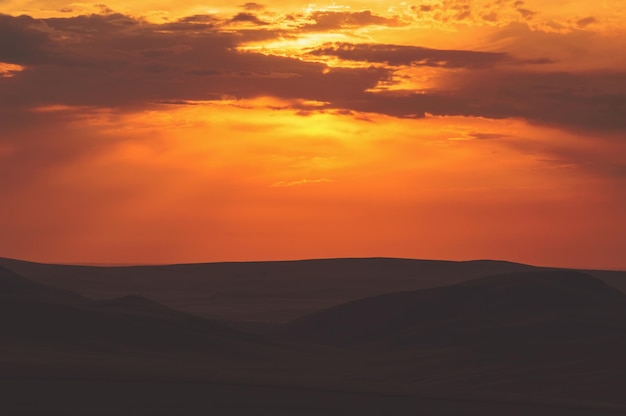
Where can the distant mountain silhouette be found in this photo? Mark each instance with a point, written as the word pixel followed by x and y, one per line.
pixel 276 291
pixel 14 285
pixel 527 307
pixel 35 314
pixel 543 334
pixel 141 306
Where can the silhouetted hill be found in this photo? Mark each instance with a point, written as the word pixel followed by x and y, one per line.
pixel 138 305
pixel 545 334
pixel 14 285
pixel 266 291
pixel 39 315
pixel 527 307
pixel 553 338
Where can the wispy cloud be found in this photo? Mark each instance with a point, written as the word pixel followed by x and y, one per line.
pixel 411 55
pixel 301 182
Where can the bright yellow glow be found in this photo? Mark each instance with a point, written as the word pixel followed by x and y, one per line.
pixel 295 47
pixel 240 169
pixel 214 177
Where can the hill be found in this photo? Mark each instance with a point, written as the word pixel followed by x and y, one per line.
pixel 37 315
pixel 531 306
pixel 265 291
pixel 544 334
pixel 530 342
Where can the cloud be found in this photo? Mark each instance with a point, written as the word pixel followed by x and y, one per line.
pixel 452 12
pixel 194 22
pixel 411 55
pixel 252 6
pixel 23 40
pixel 448 10
pixel 326 20
pixel 248 18
pixel 582 23
pixel 524 12
pixel 589 101
pixel 487 136
pixel 285 184
pixel 116 61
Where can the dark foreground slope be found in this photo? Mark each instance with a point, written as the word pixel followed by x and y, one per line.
pixel 38 316
pixel 543 334
pixel 61 353
pixel 267 291
pixel 15 286
pixel 139 398
pixel 517 307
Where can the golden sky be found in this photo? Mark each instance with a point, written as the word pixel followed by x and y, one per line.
pixel 150 132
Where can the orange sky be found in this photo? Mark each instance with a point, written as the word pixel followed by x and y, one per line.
pixel 149 132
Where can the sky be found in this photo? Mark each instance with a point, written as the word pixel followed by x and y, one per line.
pixel 167 132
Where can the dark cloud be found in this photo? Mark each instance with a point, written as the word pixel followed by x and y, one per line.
pixel 527 14
pixel 601 160
pixel 93 24
pixel 205 72
pixel 117 61
pixel 411 55
pixel 490 17
pixel 538 61
pixel 323 21
pixel 248 18
pixel 424 8
pixel 194 23
pixel 448 10
pixel 199 18
pixel 23 40
pixel 589 101
pixel 252 6
pixel 487 136
pixel 461 11
pixel 582 23
pixel 114 61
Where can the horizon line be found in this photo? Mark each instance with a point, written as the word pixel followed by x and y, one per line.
pixel 114 264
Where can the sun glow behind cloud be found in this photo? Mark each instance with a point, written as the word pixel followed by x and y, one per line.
pixel 445 129
pixel 221 178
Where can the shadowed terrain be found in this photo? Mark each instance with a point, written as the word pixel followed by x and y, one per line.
pixel 34 314
pixel 268 291
pixel 525 307
pixel 527 342
pixel 546 333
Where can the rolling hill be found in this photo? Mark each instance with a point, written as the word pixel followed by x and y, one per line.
pixel 467 341
pixel 268 291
